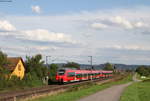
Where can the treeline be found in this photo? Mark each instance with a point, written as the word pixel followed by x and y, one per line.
pixel 36 72
pixel 143 70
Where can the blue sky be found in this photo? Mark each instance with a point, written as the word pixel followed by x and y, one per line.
pixel 71 30
pixel 66 6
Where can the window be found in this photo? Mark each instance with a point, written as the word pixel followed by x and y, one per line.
pixel 78 75
pixel 61 72
pixel 19 67
pixel 71 74
pixel 85 75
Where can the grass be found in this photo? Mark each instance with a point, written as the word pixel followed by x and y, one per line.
pixel 19 85
pixel 139 91
pixel 83 91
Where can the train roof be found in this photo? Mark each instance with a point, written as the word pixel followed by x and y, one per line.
pixel 85 71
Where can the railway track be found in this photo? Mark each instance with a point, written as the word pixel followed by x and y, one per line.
pixel 22 94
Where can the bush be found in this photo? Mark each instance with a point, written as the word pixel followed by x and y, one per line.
pixel 15 83
pixel 143 70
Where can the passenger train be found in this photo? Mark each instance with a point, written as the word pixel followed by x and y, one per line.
pixel 70 75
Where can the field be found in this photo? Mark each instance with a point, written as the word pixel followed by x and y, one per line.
pixel 73 95
pixel 139 91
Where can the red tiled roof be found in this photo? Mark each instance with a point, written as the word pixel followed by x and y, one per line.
pixel 12 62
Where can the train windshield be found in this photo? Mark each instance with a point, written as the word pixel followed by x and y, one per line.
pixel 61 72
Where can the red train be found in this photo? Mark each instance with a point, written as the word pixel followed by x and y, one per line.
pixel 70 75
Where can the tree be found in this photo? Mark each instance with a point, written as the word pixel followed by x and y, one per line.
pixel 3 61
pixel 72 65
pixel 35 66
pixel 108 66
pixel 143 70
pixel 52 71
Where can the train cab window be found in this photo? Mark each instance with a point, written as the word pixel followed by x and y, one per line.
pixel 61 72
pixel 71 74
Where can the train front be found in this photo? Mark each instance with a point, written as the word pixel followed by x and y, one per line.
pixel 61 76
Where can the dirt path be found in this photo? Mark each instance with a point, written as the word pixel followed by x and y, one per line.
pixel 110 94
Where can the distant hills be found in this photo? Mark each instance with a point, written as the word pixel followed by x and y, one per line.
pixel 101 66
pixel 117 66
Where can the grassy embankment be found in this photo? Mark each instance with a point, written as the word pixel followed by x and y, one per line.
pixel 78 92
pixel 138 91
pixel 17 85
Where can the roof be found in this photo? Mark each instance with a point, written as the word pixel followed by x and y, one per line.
pixel 12 62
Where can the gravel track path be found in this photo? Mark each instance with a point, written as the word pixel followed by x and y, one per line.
pixel 110 94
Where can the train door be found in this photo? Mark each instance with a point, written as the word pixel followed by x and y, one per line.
pixel 71 76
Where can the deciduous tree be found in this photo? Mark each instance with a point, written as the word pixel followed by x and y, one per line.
pixel 108 66
pixel 72 65
pixel 35 65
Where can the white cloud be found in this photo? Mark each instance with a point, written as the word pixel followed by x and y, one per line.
pixel 45 35
pixel 140 25
pixel 118 21
pixel 126 23
pixel 6 26
pixel 41 35
pixel 129 47
pixel 122 21
pixel 36 9
pixel 98 26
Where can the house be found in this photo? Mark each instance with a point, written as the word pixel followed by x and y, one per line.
pixel 16 66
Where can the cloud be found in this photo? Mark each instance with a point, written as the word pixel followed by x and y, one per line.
pixel 122 21
pixel 98 26
pixel 118 33
pixel 139 24
pixel 36 9
pixel 146 32
pixel 40 35
pixel 6 26
pixel 45 35
pixel 119 22
pixel 129 47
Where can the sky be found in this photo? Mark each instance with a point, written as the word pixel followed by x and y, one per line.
pixel 71 30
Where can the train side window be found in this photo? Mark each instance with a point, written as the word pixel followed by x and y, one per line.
pixel 84 75
pixel 71 74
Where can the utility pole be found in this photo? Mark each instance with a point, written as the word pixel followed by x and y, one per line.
pixel 47 59
pixel 91 61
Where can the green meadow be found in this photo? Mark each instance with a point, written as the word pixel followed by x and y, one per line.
pixel 138 91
